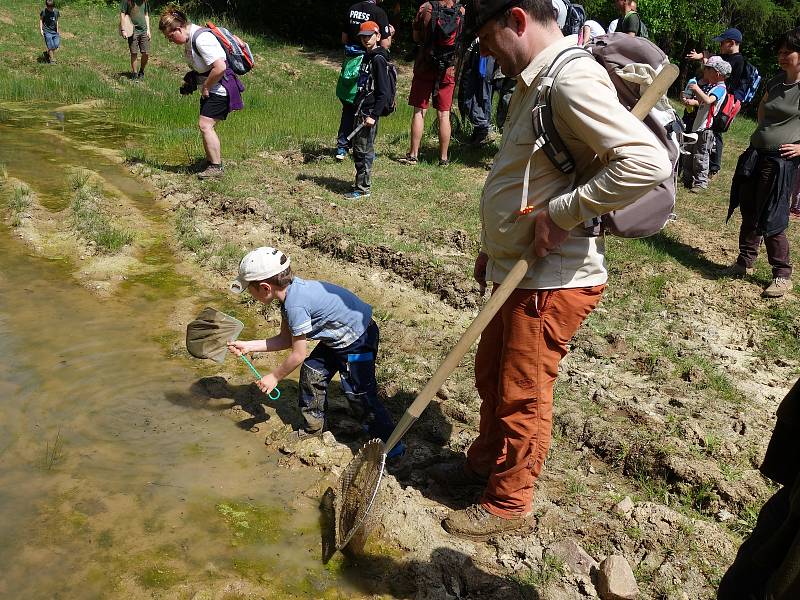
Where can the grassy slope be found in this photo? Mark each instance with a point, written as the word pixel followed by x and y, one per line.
pixel 673 344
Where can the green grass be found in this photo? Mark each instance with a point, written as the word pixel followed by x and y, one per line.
pixel 93 224
pixel 18 203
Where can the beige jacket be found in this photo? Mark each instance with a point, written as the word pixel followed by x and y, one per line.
pixel 617 159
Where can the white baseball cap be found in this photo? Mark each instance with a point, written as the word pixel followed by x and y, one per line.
pixel 257 265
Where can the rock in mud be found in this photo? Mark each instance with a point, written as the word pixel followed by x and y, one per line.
pixel 573 556
pixel 615 580
pixel 624 507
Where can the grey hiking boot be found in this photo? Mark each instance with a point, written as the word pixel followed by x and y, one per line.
pixel 478 524
pixel 211 171
pixel 456 474
pixel 778 287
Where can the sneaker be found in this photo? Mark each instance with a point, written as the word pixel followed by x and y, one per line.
pixel 478 524
pixel 478 137
pixel 409 160
pixel 737 270
pixel 341 153
pixel 443 162
pixel 778 287
pixel 140 75
pixel 211 171
pixel 356 195
pixel 455 474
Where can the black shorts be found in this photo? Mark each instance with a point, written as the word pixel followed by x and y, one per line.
pixel 214 107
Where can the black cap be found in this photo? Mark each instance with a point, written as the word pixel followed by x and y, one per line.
pixel 480 12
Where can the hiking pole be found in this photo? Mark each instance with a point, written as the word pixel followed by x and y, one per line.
pixel 355 131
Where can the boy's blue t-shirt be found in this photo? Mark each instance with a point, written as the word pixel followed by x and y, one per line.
pixel 325 312
pixel 49 19
pixel 706 112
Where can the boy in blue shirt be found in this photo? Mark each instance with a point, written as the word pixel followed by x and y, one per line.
pixel 48 27
pixel 335 317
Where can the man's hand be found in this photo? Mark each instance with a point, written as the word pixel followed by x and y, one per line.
pixel 547 236
pixel 369 122
pixel 267 383
pixel 479 272
pixel 694 55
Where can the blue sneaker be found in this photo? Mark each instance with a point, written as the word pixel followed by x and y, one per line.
pixel 341 153
pixel 356 195
pixel 398 450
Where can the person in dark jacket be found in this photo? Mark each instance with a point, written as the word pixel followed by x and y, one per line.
pixel 371 100
pixel 764 176
pixel 767 565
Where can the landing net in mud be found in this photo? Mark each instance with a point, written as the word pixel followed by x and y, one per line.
pixel 358 487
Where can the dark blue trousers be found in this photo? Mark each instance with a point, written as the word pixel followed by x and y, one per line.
pixel 356 367
pixel 346 125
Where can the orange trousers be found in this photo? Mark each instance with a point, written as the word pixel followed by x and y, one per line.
pixel 515 368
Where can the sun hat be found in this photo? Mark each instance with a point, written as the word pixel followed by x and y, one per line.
pixel 262 263
pixel 729 34
pixel 720 65
pixel 369 28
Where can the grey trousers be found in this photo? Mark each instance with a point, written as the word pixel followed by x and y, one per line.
pixel 363 155
pixel 695 164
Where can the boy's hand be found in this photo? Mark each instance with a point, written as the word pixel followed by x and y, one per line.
pixel 369 122
pixel 694 55
pixel 238 348
pixel 267 383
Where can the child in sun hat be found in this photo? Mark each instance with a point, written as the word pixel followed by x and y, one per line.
pixel 338 320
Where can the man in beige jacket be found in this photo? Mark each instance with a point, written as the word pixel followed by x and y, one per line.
pixel 617 161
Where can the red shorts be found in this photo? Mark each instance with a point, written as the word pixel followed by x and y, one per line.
pixel 422 88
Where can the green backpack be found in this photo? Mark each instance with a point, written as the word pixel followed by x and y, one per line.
pixel 347 86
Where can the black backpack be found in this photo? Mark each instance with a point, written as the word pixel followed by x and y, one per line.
pixel 576 16
pixel 369 88
pixel 749 84
pixel 447 23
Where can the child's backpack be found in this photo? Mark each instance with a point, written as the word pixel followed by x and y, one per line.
pixel 447 23
pixel 347 84
pixel 576 16
pixel 391 93
pixel 650 213
pixel 237 52
pixel 748 86
pixel 726 114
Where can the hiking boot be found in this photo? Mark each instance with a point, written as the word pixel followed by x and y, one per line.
pixel 456 474
pixel 341 153
pixel 478 524
pixel 140 75
pixel 356 195
pixel 409 160
pixel 778 287
pixel 479 137
pixel 211 171
pixel 738 270
pixel 443 162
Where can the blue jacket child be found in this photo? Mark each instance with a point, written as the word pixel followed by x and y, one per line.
pixel 335 317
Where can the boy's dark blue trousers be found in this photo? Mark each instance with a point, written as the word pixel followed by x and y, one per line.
pixel 356 367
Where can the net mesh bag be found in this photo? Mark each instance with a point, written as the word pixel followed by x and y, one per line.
pixel 358 487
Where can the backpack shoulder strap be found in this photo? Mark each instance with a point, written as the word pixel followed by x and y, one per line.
pixel 195 36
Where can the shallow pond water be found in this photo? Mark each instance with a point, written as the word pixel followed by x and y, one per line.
pixel 116 478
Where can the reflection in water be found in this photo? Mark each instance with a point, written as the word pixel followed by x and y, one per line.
pixel 117 478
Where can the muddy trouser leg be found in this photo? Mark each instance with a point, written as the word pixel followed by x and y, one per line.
pixel 363 155
pixel 715 162
pixel 359 384
pixel 315 375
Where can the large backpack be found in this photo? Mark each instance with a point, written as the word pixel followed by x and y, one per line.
pixel 650 213
pixel 576 16
pixel 237 52
pixel 727 112
pixel 748 86
pixel 447 23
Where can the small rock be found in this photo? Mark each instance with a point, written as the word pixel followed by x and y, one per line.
pixel 725 515
pixel 585 586
pixel 443 393
pixel 574 557
pixel 615 580
pixel 624 507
